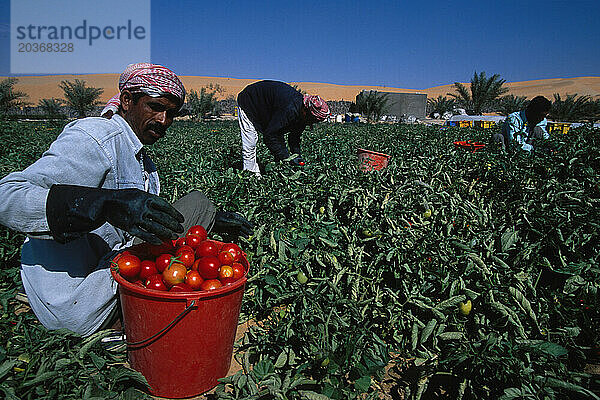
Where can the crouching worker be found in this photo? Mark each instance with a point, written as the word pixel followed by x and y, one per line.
pixel 275 108
pixel 90 194
pixel 525 128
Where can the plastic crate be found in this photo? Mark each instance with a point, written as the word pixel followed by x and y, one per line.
pixel 558 127
pixel 485 124
pixel 464 124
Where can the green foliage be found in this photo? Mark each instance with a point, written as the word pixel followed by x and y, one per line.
pixel 573 108
pixel 372 104
pixel 510 103
pixel 79 97
pixel 440 105
pixel 51 107
pixel 482 95
pixel 204 104
pixel 9 97
pixel 517 234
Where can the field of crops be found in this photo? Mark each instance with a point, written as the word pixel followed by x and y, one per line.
pixel 388 258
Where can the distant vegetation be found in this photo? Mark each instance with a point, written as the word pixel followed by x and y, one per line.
pixel 483 94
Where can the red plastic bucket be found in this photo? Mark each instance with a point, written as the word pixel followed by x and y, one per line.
pixel 372 160
pixel 181 342
pixel 468 145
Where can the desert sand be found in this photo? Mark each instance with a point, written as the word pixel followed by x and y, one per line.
pixel 40 87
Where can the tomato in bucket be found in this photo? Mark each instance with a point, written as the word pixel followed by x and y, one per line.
pixel 182 342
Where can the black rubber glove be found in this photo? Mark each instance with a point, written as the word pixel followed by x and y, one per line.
pixel 72 211
pixel 297 162
pixel 232 223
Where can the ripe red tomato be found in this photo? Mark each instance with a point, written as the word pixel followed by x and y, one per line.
pixel 163 261
pixel 181 287
pixel 211 284
pixel 193 240
pixel 208 267
pixel 165 247
pixel 207 248
pixel 225 258
pixel 198 230
pixel 238 270
pixel 156 282
pixel 180 242
pixel 129 266
pixel 148 267
pixel 226 274
pixel 174 274
pixel 185 255
pixel 234 249
pixel 194 280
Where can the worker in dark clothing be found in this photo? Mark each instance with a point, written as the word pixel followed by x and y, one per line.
pixel 275 108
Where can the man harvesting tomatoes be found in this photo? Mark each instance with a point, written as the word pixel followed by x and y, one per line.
pixel 525 128
pixel 274 109
pixel 90 194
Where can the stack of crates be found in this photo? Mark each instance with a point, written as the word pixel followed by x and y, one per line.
pixel 558 127
pixel 461 124
pixel 485 124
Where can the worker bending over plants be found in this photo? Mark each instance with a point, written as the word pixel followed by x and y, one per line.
pixel 275 108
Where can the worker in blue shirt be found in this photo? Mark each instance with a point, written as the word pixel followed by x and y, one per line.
pixel 526 127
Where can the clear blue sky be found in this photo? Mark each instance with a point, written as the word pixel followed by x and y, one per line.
pixel 407 44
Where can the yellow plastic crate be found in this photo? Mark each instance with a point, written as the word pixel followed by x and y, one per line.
pixel 485 124
pixel 463 124
pixel 558 127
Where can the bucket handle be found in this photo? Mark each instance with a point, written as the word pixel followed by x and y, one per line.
pixel 191 305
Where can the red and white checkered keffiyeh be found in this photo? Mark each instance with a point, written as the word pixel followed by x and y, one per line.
pixel 112 104
pixel 151 79
pixel 317 106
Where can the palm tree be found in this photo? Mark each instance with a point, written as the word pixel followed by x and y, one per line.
pixel 510 103
pixel 80 98
pixel 571 109
pixel 9 97
pixel 203 103
pixel 440 105
pixel 51 107
pixel 372 104
pixel 484 92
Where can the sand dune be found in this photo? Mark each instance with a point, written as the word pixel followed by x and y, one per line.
pixel 40 87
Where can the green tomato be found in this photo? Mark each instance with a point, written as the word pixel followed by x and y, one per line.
pixel 427 213
pixel 465 308
pixel 301 278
